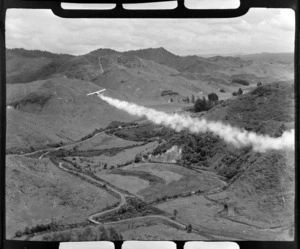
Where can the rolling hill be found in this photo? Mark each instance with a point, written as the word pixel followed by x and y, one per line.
pixel 53 111
pixel 46 91
pixel 47 106
pixel 261 185
pixel 264 184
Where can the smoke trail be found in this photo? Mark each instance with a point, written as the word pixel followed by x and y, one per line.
pixel 232 135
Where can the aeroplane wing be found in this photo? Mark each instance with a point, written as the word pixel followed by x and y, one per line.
pixel 97 92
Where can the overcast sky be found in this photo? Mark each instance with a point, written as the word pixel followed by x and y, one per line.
pixel 260 30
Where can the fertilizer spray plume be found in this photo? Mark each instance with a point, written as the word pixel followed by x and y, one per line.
pixel 232 135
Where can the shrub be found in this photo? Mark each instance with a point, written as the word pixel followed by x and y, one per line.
pixel 168 93
pixel 239 81
pixel 189 228
pixel 18 234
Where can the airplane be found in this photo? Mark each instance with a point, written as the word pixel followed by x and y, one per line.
pixel 97 92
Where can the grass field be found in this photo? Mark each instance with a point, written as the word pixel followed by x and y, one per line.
pixel 37 192
pixel 121 158
pixel 159 232
pixel 203 214
pixel 130 183
pixel 104 141
pixel 175 180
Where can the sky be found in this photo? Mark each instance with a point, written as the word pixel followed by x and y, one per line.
pixel 260 30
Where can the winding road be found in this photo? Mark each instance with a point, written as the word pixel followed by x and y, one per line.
pixel 47 151
pixel 93 218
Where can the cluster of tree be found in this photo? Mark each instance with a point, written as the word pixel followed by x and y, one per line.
pixel 36 229
pixel 117 124
pixel 229 166
pixel 31 98
pixel 144 133
pixel 196 149
pixel 92 134
pixel 205 104
pixel 239 81
pixel 239 92
pixel 133 208
pixel 168 93
pixel 88 234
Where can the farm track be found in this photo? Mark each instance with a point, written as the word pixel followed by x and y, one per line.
pixel 48 150
pixel 219 190
pixel 92 218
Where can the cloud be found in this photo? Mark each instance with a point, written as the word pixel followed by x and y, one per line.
pixel 260 30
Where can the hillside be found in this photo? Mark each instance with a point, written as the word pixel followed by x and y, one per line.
pixel 23 66
pixel 54 111
pixel 264 110
pixel 261 185
pixel 47 194
pixel 53 95
pixel 264 188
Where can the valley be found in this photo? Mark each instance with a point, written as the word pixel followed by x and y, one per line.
pixel 75 162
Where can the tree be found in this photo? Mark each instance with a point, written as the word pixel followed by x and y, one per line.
pixel 213 97
pixel 18 234
pixel 137 158
pixel 259 84
pixel 240 91
pixel 187 99
pixel 189 228
pixel 105 166
pixel 193 99
pixel 175 212
pixel 201 105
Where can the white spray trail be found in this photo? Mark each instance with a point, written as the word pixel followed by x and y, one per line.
pixel 232 135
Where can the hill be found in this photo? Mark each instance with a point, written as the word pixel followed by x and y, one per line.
pixel 261 185
pixel 264 187
pixel 215 72
pixel 54 111
pixel 53 95
pixel 23 66
pixel 47 106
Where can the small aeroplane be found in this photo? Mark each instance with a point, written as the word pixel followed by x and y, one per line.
pixel 97 92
